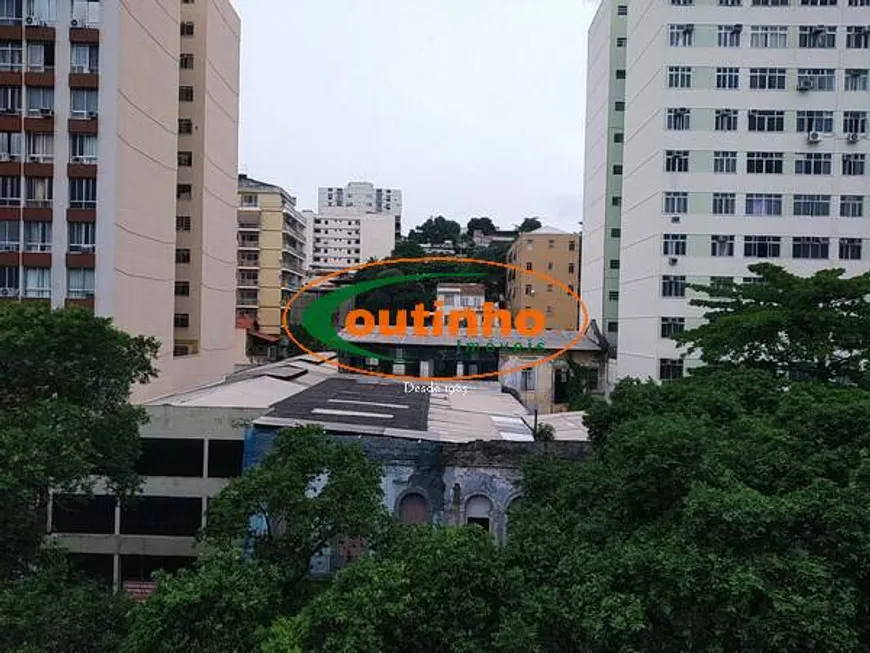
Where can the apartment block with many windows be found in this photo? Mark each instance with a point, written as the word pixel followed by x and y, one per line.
pixel 745 140
pixel 341 237
pixel 362 197
pixel 271 254
pixel 89 167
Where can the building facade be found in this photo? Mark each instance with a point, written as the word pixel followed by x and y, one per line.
pixel 103 175
pixel 363 198
pixel 745 141
pixel 271 254
pixel 552 252
pixel 340 237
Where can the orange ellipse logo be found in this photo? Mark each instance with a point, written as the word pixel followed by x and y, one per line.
pixel 584 322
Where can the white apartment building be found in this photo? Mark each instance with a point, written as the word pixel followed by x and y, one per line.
pixel 745 140
pixel 363 198
pixel 341 237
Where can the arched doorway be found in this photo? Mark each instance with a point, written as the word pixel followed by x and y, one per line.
pixel 413 509
pixel 478 512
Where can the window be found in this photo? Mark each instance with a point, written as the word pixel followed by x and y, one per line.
pixel 40 100
pixel 37 283
pixel 817 36
pixel 851 206
pixel 40 56
pixel 766 120
pixel 815 121
pixel 614 265
pixel 855 122
pixel 622 10
pixel 673 285
pixel 10 191
pixel 527 380
pixel 84 102
pixel 724 203
pixel 10 238
pixel 187 28
pixel 764 163
pixel 721 283
pixel 37 236
pixel 616 201
pixel 676 161
pixel 858 37
pixel 768 36
pixel 820 79
pixel 672 326
pixel 812 205
pixel 185 61
pixel 83 148
pixel 184 191
pixel 83 193
pixel 80 283
pixel 681 36
pixel 676 202
pixel 528 289
pixel 859 3
pixel 850 249
pixel 726 120
pixel 84 58
pixel 809 247
pixel 620 74
pixel 853 164
pixel 182 320
pixel 674 245
pixel 724 162
pixel 225 458
pixel 182 288
pixel 82 236
pixel 613 295
pixel 11 55
pixel 812 163
pixel 616 232
pixel 679 77
pixel 93 515
pixel 10 99
pixel 528 266
pixel 182 255
pixel 721 245
pixel 617 169
pixel 763 204
pixel 185 126
pixel 40 192
pixel 857 79
pixel 670 369
pixel 185 159
pixel 40 147
pixel 618 137
pixel 770 3
pixel 620 41
pixel 818 3
pixel 572 246
pixel 728 36
pixel 761 246
pixel 619 105
pixel 769 79
pixel 727 78
pixel 10 146
pixel 730 3
pixel 250 200
pixel 153 515
pixel 185 93
pixel 679 119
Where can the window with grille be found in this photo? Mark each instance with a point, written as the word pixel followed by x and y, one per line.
pixel 812 205
pixel 851 206
pixel 815 121
pixel 766 120
pixel 764 163
pixel 676 161
pixel 812 163
pixel 767 79
pixel 809 247
pixel 763 204
pixel 673 285
pixel 724 203
pixel 674 245
pixel 726 120
pixel 817 36
pixel 761 246
pixel 850 249
pixel 672 326
pixel 676 202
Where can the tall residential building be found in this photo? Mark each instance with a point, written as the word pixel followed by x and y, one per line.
pixel 341 237
pixel 271 253
pixel 555 253
pixel 602 194
pixel 745 141
pixel 364 198
pixel 91 162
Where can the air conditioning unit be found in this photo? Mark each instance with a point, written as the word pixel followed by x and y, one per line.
pixel 675 219
pixel 8 292
pixel 93 115
pixel 814 137
pixel 77 159
pixel 30 20
pixel 46 111
pixel 74 22
pixel 673 260
pixel 34 158
pixel 805 85
pixel 853 137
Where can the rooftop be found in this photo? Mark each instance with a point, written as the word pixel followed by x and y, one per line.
pixel 475 288
pixel 249 183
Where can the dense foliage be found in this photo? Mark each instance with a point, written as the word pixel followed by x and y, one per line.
pixel 436 231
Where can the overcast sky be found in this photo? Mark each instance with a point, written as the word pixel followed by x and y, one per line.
pixel 470 107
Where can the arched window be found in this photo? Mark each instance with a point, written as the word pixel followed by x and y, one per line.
pixel 413 509
pixel 478 511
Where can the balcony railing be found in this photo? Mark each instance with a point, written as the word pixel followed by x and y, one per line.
pixel 37 247
pixel 38 204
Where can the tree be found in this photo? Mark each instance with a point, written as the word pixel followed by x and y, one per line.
pixel 408 249
pixel 52 611
pixel 529 224
pixel 309 492
pixel 223 604
pixel 430 590
pixel 436 231
pixel 815 327
pixel 65 380
pixel 544 432
pixel 721 512
pixel 481 224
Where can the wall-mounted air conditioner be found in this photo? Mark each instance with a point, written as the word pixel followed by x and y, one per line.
pixel 675 219
pixel 673 260
pixel 805 85
pixel 853 137
pixel 814 137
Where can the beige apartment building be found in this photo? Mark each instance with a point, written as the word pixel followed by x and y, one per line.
pixel 271 254
pixel 555 253
pixel 100 194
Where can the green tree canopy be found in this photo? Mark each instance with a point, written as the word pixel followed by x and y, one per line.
pixel 815 327
pixel 528 224
pixel 65 380
pixel 435 231
pixel 481 224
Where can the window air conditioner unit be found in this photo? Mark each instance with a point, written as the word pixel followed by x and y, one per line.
pixel 853 137
pixel 675 219
pixel 92 115
pixel 673 260
pixel 74 22
pixel 814 137
pixel 77 159
pixel 30 20
pixel 8 292
pixel 46 111
pixel 805 84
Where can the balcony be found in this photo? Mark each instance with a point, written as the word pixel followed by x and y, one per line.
pixel 252 262
pixel 249 243
pixel 249 223
pixel 248 280
pixel 246 299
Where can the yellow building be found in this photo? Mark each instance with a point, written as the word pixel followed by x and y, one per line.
pixel 552 252
pixel 271 254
